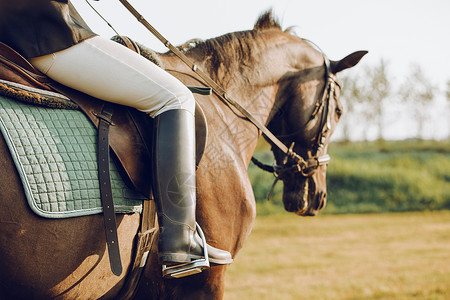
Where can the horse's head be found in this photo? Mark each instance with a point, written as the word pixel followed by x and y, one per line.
pixel 311 110
pixel 306 106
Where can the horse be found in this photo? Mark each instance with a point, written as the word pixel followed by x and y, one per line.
pixel 279 77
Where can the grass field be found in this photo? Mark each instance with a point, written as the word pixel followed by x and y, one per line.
pixel 376 256
pixel 373 177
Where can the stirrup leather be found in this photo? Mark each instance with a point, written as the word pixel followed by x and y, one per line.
pixel 191 268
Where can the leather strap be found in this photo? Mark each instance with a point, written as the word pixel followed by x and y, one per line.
pixel 216 88
pixel 144 242
pixel 147 232
pixel 220 92
pixel 129 43
pixel 109 215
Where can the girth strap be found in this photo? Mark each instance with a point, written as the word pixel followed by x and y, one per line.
pixel 109 215
pixel 144 242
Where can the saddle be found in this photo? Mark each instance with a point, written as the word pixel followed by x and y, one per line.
pixel 128 134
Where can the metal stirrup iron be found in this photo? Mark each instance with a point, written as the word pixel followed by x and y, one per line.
pixel 187 269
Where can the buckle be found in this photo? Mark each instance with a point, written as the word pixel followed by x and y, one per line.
pixel 191 268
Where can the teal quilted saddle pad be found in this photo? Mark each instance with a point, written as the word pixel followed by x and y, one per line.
pixel 55 154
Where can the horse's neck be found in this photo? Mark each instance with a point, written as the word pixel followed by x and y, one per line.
pixel 257 97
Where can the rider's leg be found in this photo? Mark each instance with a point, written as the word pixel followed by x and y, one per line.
pixel 109 71
pixel 174 188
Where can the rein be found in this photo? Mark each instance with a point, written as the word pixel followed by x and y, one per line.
pixel 305 167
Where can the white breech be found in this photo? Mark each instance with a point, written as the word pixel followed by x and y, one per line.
pixel 109 71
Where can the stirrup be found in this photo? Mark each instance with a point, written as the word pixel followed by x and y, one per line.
pixel 191 268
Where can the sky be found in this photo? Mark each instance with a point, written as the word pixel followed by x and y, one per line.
pixel 401 32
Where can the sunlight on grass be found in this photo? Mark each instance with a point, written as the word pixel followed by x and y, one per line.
pixel 387 256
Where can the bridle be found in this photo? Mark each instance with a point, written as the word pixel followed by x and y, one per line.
pixel 292 161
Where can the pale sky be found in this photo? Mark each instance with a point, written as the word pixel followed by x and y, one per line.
pixel 401 32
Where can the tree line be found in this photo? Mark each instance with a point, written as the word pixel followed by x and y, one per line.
pixel 370 94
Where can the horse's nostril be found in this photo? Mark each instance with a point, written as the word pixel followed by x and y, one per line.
pixel 290 206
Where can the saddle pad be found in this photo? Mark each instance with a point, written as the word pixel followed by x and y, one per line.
pixel 55 154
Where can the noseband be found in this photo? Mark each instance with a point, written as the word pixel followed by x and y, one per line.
pixel 292 162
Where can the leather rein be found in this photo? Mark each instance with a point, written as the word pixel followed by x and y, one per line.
pixel 292 161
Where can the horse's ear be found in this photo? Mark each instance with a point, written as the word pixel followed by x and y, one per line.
pixel 347 62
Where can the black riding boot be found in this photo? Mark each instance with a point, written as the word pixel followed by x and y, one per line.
pixel 180 245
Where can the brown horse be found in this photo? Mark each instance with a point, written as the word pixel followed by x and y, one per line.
pixel 278 77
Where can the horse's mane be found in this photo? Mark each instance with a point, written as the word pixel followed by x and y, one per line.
pixel 267 21
pixel 223 51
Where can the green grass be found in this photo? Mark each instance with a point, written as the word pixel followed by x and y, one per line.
pixel 377 256
pixel 374 177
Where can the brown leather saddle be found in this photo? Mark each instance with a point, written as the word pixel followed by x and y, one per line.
pixel 128 134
